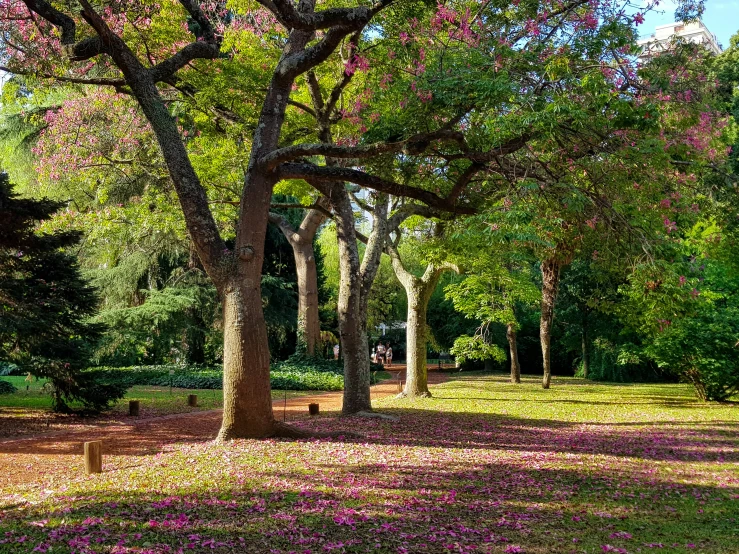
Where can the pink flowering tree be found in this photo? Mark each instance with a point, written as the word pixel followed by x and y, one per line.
pixel 444 95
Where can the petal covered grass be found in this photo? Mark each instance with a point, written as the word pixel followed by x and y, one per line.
pixel 484 466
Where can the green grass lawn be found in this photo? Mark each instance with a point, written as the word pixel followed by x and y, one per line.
pixel 28 412
pixel 482 467
pixel 155 400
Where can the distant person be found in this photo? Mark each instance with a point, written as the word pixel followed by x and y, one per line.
pixel 373 355
pixel 380 353
pixel 389 355
pixel 336 351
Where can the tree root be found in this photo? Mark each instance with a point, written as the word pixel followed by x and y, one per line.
pixel 285 431
pixel 404 394
pixel 377 415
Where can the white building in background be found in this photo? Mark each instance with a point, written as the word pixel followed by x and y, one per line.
pixel 695 32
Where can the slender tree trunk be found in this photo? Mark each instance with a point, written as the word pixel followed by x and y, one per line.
pixel 585 347
pixel 309 324
pixel 416 373
pixel 352 327
pixel 513 347
pixel 195 338
pixel 418 291
pixel 550 270
pixel 301 240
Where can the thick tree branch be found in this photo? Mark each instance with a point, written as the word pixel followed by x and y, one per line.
pixel 301 61
pixel 287 13
pixel 195 50
pixel 315 174
pixel 287 229
pixel 206 28
pixel 56 18
pixel 412 145
pixel 406 278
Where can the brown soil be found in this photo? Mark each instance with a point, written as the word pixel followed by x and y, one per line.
pixel 40 460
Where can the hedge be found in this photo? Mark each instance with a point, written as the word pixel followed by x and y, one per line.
pixel 282 377
pixel 6 387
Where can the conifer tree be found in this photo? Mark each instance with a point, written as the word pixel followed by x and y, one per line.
pixel 44 303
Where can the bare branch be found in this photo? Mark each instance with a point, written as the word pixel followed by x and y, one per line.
pixel 316 206
pixel 306 109
pixel 79 80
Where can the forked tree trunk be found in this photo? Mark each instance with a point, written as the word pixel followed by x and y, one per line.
pixel 301 240
pixel 513 348
pixel 355 280
pixel 418 291
pixel 550 270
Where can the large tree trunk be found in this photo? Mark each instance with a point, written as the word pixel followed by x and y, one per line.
pixel 585 347
pixel 513 347
pixel 247 398
pixel 352 326
pixel 550 270
pixel 416 373
pixel 247 402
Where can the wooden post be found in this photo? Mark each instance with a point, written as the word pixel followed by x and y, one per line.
pixel 192 400
pixel 133 407
pixel 313 409
pixel 93 457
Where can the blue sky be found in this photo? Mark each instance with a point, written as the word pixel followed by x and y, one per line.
pixel 721 18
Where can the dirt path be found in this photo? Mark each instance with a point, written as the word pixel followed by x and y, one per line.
pixel 44 460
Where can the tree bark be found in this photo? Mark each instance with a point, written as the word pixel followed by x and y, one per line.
pixel 585 346
pixel 511 335
pixel 550 271
pixel 418 291
pixel 352 303
pixel 416 337
pixel 301 240
pixel 247 402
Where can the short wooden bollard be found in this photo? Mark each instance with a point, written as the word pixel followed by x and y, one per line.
pixel 192 400
pixel 313 409
pixel 93 457
pixel 133 407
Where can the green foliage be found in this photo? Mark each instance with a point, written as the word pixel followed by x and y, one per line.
pixel 703 349
pixel 476 348
pixel 299 374
pixel 6 388
pixel 45 303
pixel 7 368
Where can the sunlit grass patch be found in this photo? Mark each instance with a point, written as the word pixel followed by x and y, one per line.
pixel 484 466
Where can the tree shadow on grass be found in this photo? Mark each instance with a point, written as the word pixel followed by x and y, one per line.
pixel 647 401
pixel 666 441
pixel 459 505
